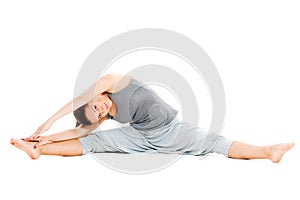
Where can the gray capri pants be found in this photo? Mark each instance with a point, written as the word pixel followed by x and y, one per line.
pixel 174 138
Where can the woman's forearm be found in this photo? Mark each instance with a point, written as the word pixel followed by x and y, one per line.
pixel 78 132
pixel 64 135
pixel 68 108
pixel 61 112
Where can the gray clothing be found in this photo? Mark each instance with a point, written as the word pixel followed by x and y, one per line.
pixel 139 105
pixel 154 128
pixel 174 138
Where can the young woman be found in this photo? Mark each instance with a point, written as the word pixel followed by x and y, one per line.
pixel 153 127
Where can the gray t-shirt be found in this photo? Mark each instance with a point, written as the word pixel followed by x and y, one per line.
pixel 139 105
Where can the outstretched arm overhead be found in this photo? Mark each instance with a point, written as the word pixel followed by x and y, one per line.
pixel 107 83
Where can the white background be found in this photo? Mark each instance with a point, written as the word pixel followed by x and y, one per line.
pixel 255 46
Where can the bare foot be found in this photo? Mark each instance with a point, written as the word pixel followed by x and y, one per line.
pixel 278 150
pixel 27 147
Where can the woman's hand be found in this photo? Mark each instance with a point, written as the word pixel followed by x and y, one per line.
pixel 41 140
pixel 43 128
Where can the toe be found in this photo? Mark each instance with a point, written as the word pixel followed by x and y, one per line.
pixel 13 141
pixel 288 146
pixel 291 145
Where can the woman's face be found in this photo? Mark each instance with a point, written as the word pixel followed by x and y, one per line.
pixel 98 108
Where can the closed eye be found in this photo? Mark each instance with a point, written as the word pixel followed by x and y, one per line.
pixel 100 116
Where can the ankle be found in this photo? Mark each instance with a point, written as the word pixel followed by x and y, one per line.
pixel 38 149
pixel 269 151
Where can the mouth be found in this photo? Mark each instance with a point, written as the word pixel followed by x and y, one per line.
pixel 106 105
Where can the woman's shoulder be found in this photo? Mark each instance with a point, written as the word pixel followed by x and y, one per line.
pixel 119 82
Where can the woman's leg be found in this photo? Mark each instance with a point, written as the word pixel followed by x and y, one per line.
pixel 197 141
pixel 245 151
pixel 123 140
pixel 63 148
pixel 118 140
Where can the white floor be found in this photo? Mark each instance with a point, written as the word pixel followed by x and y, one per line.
pixel 214 177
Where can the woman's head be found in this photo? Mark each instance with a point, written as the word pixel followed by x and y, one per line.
pixel 80 116
pixel 93 111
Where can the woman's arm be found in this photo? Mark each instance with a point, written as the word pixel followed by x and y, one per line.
pixel 77 132
pixel 103 84
pixel 107 83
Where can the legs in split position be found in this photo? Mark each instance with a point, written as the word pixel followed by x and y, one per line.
pixel 177 137
pixel 237 150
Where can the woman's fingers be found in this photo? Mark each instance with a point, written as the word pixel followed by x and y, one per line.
pixel 32 139
pixel 36 134
pixel 40 140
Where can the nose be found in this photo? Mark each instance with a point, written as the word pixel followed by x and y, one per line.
pixel 99 111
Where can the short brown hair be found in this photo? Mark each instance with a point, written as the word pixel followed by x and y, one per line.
pixel 80 116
